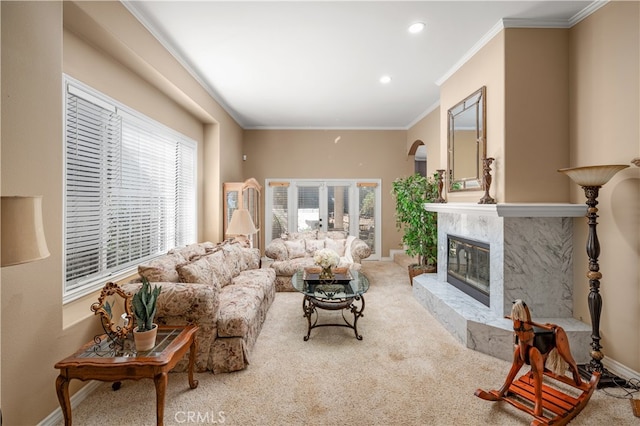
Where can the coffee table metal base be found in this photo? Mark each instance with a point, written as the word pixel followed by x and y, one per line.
pixel 310 306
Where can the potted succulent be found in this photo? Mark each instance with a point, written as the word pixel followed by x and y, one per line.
pixel 420 227
pixel 144 309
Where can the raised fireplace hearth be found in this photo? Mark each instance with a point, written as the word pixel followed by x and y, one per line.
pixel 530 255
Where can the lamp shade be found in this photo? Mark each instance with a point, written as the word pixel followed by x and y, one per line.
pixel 241 223
pixel 593 175
pixel 22 231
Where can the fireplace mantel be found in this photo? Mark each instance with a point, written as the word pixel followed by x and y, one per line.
pixel 530 258
pixel 511 209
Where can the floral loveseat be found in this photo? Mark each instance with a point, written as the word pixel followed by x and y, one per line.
pixel 222 289
pixel 294 251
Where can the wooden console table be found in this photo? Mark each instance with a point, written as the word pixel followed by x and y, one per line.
pixel 96 360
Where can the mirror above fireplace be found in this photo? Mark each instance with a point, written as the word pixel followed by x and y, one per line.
pixel 467 142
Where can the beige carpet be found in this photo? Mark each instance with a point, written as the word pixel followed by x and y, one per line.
pixel 407 370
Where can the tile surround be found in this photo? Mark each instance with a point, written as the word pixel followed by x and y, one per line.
pixel 531 256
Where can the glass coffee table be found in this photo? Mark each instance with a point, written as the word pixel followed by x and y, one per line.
pixel 332 296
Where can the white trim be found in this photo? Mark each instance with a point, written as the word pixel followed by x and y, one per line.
pixel 323 128
pixel 429 110
pixel 56 416
pixel 597 4
pixel 494 31
pixel 130 6
pixel 511 210
pixel 535 23
pixel 521 23
pixel 620 369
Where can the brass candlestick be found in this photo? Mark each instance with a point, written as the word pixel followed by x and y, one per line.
pixel 486 181
pixel 591 179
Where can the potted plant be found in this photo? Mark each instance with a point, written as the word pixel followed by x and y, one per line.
pixel 144 309
pixel 420 227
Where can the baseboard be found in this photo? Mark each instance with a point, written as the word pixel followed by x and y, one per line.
pixel 56 416
pixel 620 370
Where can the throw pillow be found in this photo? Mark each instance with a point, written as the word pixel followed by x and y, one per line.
pixel 219 269
pixel 336 245
pixel 313 246
pixel 295 248
pixel 162 269
pixel 347 248
pixel 196 272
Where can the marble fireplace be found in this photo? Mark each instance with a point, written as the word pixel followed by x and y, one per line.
pixel 530 253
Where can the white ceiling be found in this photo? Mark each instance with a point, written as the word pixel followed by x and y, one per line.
pixel 306 64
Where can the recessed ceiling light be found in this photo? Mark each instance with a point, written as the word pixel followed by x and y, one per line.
pixel 416 27
pixel 385 79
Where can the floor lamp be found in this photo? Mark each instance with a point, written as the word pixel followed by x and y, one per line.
pixel 22 232
pixel 241 226
pixel 591 179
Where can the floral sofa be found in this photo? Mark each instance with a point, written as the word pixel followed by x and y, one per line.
pixel 222 289
pixel 294 251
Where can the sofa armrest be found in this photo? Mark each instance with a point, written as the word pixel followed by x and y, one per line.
pixel 359 250
pixel 277 250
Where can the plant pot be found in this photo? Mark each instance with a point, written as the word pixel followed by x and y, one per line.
pixel 145 340
pixel 415 270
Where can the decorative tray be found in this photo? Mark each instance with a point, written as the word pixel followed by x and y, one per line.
pixel 340 276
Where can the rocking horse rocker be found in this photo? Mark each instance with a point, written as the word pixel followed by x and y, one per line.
pixel 539 345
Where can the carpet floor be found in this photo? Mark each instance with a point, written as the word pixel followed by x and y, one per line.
pixel 407 370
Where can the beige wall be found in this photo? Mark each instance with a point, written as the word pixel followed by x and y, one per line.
pixel 427 130
pixel 102 45
pixel 603 129
pixel 316 154
pixel 486 68
pixel 536 115
pixel 526 75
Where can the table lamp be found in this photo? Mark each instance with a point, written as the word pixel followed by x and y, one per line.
pixel 242 226
pixel 22 231
pixel 591 179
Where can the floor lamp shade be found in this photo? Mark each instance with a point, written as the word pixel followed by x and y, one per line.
pixel 22 231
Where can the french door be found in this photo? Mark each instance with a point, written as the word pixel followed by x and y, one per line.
pixel 299 205
pixel 321 205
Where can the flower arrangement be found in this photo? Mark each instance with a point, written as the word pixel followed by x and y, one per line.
pixel 326 258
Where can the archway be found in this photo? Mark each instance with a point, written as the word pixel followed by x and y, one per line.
pixel 419 151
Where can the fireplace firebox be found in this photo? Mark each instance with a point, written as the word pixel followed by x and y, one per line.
pixel 468 267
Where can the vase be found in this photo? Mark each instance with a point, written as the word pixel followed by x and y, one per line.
pixel 326 273
pixel 145 340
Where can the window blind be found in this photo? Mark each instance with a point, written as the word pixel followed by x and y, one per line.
pixel 130 189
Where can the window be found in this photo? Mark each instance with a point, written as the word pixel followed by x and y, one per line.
pixel 130 189
pixel 298 205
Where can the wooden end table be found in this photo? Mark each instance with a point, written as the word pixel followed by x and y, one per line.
pixel 96 360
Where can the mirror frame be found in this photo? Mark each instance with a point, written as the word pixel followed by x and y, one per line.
pixel 478 101
pixel 115 332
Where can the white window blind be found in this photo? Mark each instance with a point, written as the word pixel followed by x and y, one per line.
pixel 130 189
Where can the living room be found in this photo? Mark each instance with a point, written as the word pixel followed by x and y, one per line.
pixel 580 107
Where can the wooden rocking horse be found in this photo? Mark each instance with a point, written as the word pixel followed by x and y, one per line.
pixel 546 348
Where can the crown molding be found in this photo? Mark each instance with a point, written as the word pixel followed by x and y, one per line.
pixel 535 23
pixel 597 4
pixel 423 115
pixel 495 30
pixel 131 7
pixel 521 23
